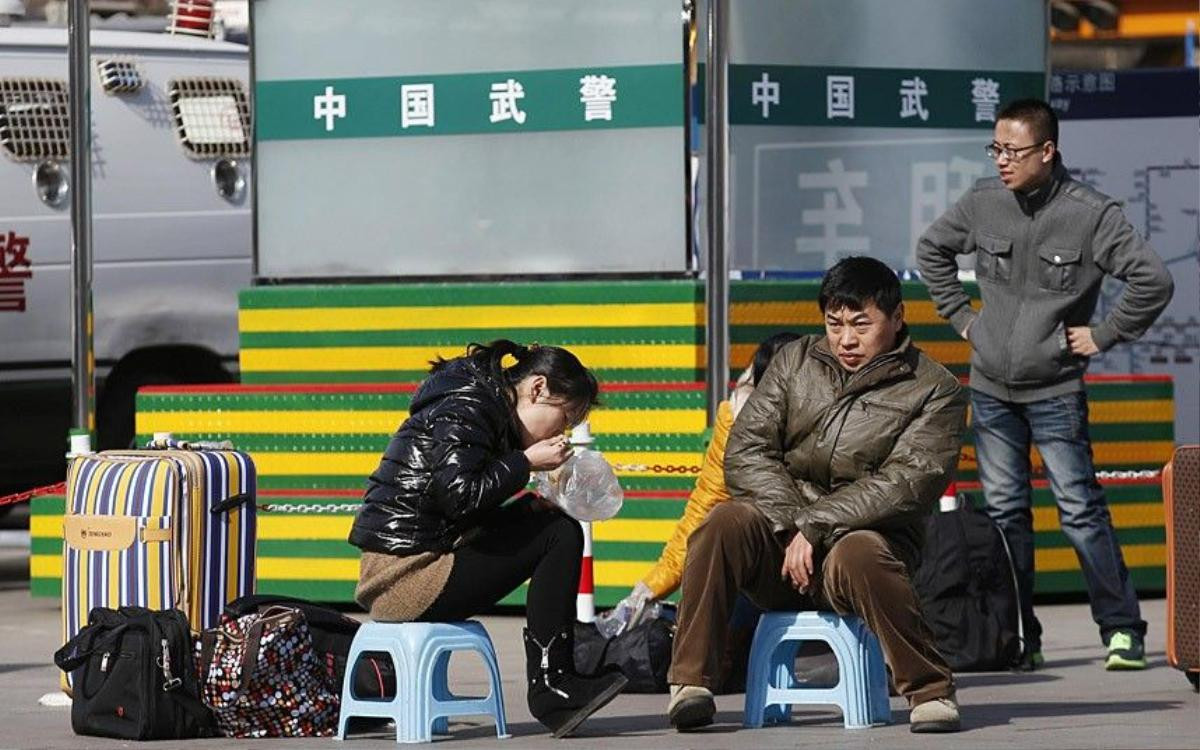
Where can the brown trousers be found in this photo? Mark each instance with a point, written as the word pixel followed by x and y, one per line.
pixel 735 550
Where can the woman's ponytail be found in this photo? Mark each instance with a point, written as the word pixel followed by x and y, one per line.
pixel 565 375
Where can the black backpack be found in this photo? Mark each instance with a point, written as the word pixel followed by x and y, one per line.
pixel 332 633
pixel 642 653
pixel 968 590
pixel 134 676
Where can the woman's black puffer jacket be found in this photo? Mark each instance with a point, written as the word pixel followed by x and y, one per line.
pixel 457 456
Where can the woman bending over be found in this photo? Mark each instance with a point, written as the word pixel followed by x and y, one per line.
pixel 440 539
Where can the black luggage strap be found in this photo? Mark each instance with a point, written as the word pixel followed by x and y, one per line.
pixel 231 502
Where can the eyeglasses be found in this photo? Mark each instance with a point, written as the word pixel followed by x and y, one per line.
pixel 995 150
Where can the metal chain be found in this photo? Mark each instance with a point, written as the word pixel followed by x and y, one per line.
pixel 1130 474
pixel 319 508
pixel 309 508
pixel 20 497
pixel 657 468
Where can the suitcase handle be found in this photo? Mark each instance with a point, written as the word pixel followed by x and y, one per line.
pixel 232 502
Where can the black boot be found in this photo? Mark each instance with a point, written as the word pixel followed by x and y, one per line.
pixel 558 696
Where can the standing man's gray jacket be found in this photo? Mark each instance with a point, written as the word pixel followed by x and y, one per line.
pixel 1040 260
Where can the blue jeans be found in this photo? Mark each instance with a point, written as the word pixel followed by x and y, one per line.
pixel 1059 428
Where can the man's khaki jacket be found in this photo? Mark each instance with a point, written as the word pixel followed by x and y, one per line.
pixel 824 451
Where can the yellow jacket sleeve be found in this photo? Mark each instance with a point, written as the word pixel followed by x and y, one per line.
pixel 664 577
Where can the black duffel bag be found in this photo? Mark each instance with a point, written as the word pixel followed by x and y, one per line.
pixel 332 633
pixel 642 653
pixel 968 591
pixel 134 676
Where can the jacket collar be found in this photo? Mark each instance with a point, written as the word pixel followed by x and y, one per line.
pixel 899 362
pixel 465 373
pixel 1031 202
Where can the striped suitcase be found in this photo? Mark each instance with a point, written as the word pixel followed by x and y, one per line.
pixel 163 528
pixel 1181 506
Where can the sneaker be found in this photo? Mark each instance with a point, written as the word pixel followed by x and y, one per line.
pixel 1030 661
pixel 691 707
pixel 1125 651
pixel 937 715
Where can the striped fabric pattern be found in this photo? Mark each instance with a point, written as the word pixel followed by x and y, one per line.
pixel 146 575
pixel 207 559
pixel 224 558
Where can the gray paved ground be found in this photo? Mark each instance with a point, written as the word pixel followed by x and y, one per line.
pixel 1072 703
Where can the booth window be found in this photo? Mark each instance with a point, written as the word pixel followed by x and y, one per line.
pixel 212 117
pixel 35 122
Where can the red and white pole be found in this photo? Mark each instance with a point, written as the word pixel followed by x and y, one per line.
pixel 585 600
pixel 949 499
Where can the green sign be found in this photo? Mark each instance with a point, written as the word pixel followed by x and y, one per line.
pixel 603 97
pixel 873 97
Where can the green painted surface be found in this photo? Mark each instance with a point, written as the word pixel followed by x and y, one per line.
pixel 461 337
pixel 618 375
pixel 470 294
pixel 49 588
pixel 466 294
pixel 323 401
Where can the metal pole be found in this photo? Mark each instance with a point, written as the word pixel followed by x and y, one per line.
pixel 716 140
pixel 82 354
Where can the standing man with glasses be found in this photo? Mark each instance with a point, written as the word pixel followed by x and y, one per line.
pixel 1044 243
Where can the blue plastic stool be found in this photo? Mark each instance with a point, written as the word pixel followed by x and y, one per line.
pixel 421 652
pixel 771 686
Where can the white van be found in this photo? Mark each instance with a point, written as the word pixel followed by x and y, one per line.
pixel 172 229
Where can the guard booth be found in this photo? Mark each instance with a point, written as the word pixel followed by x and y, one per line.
pixel 430 174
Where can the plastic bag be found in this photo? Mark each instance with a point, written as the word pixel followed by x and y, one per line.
pixel 585 487
pixel 626 616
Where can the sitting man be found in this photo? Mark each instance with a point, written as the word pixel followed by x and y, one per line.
pixel 842 450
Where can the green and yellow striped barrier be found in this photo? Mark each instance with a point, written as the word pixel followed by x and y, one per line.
pixel 314 446
pixel 366 346
pixel 628 331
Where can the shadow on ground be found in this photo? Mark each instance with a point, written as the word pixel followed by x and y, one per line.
pixel 1001 714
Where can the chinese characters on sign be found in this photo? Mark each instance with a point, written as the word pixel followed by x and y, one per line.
pixel 764 93
pixel 839 97
pixel 504 96
pixel 14 270
pixel 985 95
pixel 597 94
pixel 328 106
pixel 416 105
pixel 838 183
pixel 912 92
pixel 1075 83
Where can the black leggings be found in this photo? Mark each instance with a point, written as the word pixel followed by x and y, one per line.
pixel 517 544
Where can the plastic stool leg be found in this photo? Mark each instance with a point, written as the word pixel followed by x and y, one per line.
pixel 441 690
pixel 758 675
pixel 783 669
pixel 496 699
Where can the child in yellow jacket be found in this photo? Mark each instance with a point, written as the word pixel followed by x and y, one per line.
pixel 663 578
